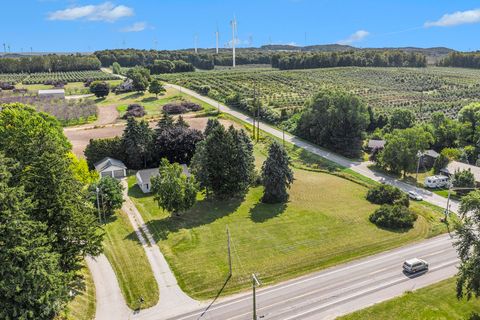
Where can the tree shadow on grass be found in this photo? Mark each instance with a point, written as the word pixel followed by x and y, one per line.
pixel 204 212
pixel 133 96
pixel 149 99
pixel 262 212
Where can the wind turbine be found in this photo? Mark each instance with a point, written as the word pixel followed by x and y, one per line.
pixel 195 39
pixel 216 38
pixel 233 23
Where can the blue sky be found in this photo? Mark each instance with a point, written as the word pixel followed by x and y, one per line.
pixel 87 25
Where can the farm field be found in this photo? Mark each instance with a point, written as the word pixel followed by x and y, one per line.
pixel 317 228
pixel 437 301
pixel 42 77
pixel 423 90
pixel 128 260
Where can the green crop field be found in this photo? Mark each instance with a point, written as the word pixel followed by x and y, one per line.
pixel 42 77
pixel 423 90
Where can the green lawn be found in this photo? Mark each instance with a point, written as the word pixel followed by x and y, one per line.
pixel 436 302
pixel 152 104
pixel 128 259
pixel 324 223
pixel 82 307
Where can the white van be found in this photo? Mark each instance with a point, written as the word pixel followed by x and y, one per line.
pixel 438 181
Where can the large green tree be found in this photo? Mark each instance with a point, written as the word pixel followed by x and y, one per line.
pixel 463 179
pixel 444 131
pixel 223 163
pixel 469 118
pixel 32 284
pixel 172 189
pixel 276 175
pixel 156 87
pixel 401 119
pixel 137 140
pixel 36 143
pixel 100 88
pixel 336 120
pixel 140 77
pixel 110 195
pixel 468 247
pixel 401 150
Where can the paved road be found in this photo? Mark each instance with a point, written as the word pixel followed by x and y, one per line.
pixel 357 166
pixel 346 288
pixel 349 287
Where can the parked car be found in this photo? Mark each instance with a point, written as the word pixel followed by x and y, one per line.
pixel 415 265
pixel 415 196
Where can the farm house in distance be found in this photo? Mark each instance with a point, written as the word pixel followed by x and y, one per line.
pixel 52 93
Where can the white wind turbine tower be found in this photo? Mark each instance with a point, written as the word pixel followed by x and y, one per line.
pixel 216 38
pixel 196 40
pixel 234 33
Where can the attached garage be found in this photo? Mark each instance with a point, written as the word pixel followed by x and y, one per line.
pixel 111 167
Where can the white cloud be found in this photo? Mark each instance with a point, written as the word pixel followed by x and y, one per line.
pixel 456 18
pixel 102 12
pixel 136 27
pixel 355 37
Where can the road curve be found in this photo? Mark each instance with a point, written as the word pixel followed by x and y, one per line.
pixel 341 289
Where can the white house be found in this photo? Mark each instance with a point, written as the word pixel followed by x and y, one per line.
pixel 111 167
pixel 145 176
pixel 52 93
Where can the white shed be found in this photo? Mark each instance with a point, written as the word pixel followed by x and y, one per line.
pixel 52 93
pixel 144 177
pixel 111 167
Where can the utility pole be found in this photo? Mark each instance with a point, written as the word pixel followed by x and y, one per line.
pixel 419 155
pixel 234 31
pixel 98 205
pixel 229 255
pixel 255 283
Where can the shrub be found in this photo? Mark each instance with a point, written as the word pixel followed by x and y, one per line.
pixel 134 110
pixel 181 107
pixel 100 88
pixel 385 194
pixel 393 217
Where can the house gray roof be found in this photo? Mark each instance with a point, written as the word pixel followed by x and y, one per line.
pixel 146 175
pixel 108 162
pixel 460 166
pixel 431 153
pixel 373 144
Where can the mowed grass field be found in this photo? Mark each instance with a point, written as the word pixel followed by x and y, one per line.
pixel 324 223
pixel 152 104
pixel 82 307
pixel 128 259
pixel 435 302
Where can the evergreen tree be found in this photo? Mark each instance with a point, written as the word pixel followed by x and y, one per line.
pixel 32 284
pixel 276 175
pixel 181 122
pixel 224 162
pixel 166 121
pixel 137 140
pixel 46 175
pixel 211 124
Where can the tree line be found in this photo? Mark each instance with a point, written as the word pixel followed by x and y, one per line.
pixel 461 60
pixel 49 63
pixel 367 58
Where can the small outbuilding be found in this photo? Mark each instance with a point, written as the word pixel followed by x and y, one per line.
pixel 375 144
pixel 52 93
pixel 111 167
pixel 144 177
pixel 428 158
